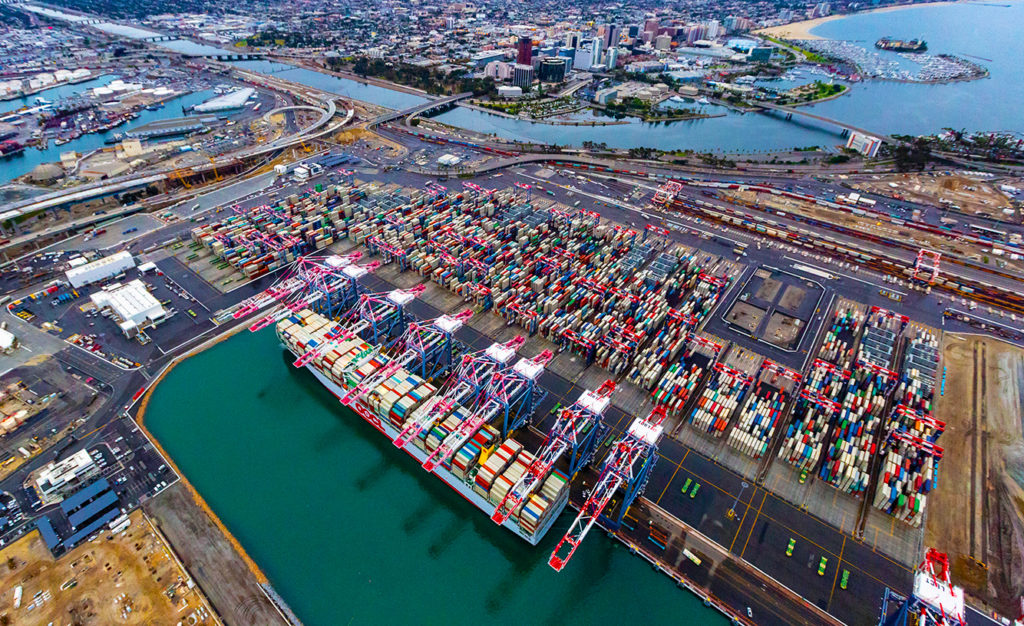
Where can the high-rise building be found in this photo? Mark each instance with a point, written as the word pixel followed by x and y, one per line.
pixel 524 51
pixel 662 42
pixel 498 70
pixel 651 26
pixel 612 33
pixel 570 57
pixel 611 58
pixel 596 46
pixel 449 23
pixel 522 76
pixel 692 34
pixel 713 29
pixel 634 30
pixel 553 69
pixel 584 58
pixel 572 39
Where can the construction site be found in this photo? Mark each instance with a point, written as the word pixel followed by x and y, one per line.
pixel 126 577
pixel 952 193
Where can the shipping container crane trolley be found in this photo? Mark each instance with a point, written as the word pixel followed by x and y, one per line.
pixel 576 431
pixel 628 465
pixel 512 394
pixel 463 387
pixel 933 601
pixel 427 351
pixel 311 283
pixel 380 314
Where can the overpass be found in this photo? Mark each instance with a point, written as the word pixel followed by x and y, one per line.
pixel 426 107
pixel 847 128
pixel 120 184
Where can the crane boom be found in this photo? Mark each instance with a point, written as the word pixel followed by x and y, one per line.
pixel 473 372
pixel 642 436
pixel 503 391
pixel 462 434
pixel 572 422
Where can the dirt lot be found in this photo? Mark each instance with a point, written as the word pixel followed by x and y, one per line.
pixel 782 330
pixel 129 578
pixel 768 290
pixel 746 316
pixel 205 551
pixel 971 195
pixel 976 514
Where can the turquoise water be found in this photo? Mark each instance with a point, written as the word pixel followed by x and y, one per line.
pixel 15 166
pixel 351 530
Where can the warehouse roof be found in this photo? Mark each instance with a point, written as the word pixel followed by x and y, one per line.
pixel 130 302
pixel 83 270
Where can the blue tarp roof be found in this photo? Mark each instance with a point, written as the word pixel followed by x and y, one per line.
pixel 76 499
pixel 95 507
pixel 46 530
pixel 92 527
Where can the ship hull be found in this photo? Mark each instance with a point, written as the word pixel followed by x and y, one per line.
pixel 461 487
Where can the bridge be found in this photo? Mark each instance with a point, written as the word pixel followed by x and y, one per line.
pixel 847 128
pixel 427 107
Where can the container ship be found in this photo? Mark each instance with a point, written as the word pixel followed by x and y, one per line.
pixel 432 420
pixel 901 45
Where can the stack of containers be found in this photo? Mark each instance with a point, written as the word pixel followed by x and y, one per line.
pixel 495 465
pixel 718 400
pixel 757 421
pixel 503 483
pixel 908 473
pixel 676 386
pixel 538 507
pixel 402 409
pixel 848 461
pixel 437 434
pixel 807 431
pixel 476 449
pixel 837 345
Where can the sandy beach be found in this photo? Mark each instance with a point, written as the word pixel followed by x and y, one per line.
pixel 802 30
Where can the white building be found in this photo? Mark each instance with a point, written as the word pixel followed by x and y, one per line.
pixel 131 305
pixel 510 92
pixel 865 144
pixel 60 476
pixel 100 269
pixel 448 160
pixel 8 342
pixel 604 96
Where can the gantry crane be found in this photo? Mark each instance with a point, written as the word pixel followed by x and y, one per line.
pixel 467 383
pixel 377 313
pixel 308 281
pixel 428 348
pixel 513 393
pixel 577 429
pixel 628 465
pixel 934 600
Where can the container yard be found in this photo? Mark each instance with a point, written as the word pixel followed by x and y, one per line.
pixel 762 412
pixel 609 299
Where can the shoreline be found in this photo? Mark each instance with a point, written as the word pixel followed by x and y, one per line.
pixel 802 29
